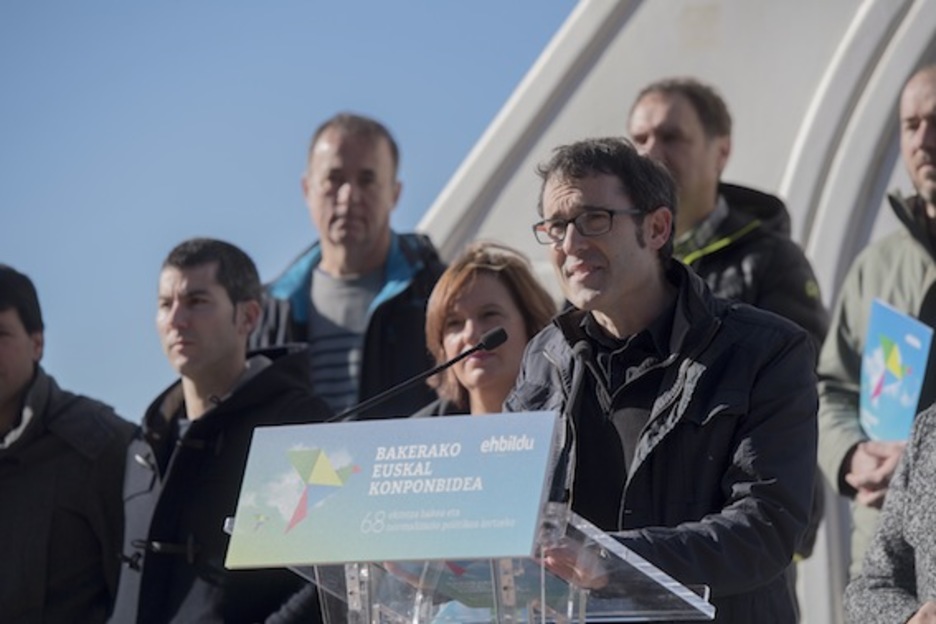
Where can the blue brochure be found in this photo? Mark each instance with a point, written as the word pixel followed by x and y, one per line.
pixel 893 368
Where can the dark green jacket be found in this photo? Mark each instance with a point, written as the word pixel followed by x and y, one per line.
pixel 752 259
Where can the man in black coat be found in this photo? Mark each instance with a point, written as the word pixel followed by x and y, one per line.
pixel 184 471
pixel 694 417
pixel 61 472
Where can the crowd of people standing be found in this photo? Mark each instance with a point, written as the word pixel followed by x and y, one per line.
pixel 709 390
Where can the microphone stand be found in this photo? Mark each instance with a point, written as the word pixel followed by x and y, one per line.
pixel 488 342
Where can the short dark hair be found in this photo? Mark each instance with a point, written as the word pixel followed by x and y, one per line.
pixel 18 292
pixel 358 126
pixel 644 181
pixel 236 272
pixel 704 99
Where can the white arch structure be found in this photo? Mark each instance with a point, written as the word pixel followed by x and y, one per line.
pixel 812 86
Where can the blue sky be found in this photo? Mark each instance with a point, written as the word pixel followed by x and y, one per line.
pixel 126 127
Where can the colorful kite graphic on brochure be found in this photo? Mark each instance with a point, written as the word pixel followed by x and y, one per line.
pixel 892 371
pixel 320 477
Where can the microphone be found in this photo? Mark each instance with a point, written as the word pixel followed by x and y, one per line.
pixel 489 341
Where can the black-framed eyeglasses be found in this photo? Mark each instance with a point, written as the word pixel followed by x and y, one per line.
pixel 589 223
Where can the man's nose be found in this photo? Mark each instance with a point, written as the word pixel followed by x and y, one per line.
pixel 349 193
pixel 573 239
pixel 177 315
pixel 927 134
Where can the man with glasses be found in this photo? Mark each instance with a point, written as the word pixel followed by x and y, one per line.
pixel 694 418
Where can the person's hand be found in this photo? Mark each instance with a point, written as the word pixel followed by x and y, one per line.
pixel 576 565
pixel 871 468
pixel 925 614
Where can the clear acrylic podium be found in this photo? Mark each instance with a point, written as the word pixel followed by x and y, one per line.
pixel 514 591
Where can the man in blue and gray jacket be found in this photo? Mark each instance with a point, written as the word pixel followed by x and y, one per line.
pixel 358 295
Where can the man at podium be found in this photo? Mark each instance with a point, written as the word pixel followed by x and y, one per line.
pixel 694 418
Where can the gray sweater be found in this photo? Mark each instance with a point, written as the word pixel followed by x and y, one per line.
pixel 899 571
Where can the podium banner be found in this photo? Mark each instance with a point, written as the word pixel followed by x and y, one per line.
pixel 454 487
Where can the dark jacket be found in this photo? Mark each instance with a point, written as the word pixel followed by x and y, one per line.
pixel 60 528
pixel 395 340
pixel 752 259
pixel 719 489
pixel 180 490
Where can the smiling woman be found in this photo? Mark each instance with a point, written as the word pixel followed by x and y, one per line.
pixel 489 286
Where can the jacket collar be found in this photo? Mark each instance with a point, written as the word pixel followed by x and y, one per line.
pixel 47 409
pixel 697 310
pixel 34 407
pixel 695 314
pixel 749 211
pixel 769 210
pixel 399 270
pixel 909 210
pixel 171 402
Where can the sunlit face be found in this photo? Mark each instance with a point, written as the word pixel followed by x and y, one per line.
pixel 602 273
pixel 19 353
pixel 918 133
pixel 485 303
pixel 351 189
pixel 201 330
pixel 667 128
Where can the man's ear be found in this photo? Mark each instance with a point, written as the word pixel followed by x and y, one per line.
pixel 397 191
pixel 38 345
pixel 659 224
pixel 723 151
pixel 248 315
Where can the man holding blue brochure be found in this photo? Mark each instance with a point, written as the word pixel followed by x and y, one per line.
pixel 899 269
